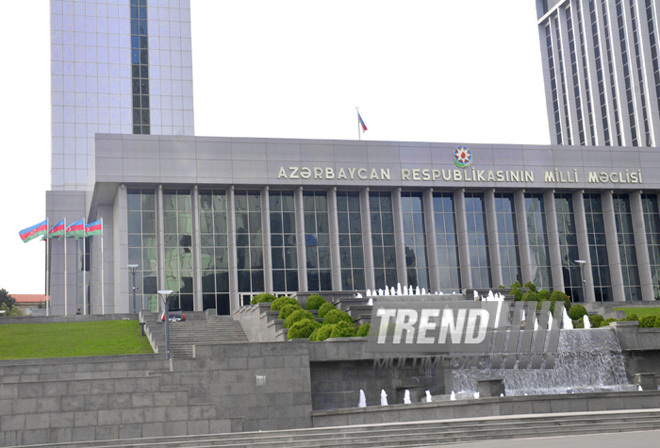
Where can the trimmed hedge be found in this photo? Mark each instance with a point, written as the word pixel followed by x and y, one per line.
pixel 596 321
pixel 327 306
pixel 296 316
pixel 302 329
pixel 343 330
pixel 314 302
pixel 288 310
pixel 647 322
pixel 363 331
pixel 577 311
pixel 334 316
pixel 281 302
pixel 264 297
pixel 322 333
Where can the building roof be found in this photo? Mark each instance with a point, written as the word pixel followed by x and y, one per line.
pixel 29 298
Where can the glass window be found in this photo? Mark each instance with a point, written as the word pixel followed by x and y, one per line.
pixel 215 264
pixel 477 240
pixel 652 224
pixel 351 251
pixel 600 265
pixel 446 241
pixel 568 247
pixel 505 212
pixel 382 236
pixel 284 251
pixel 142 246
pixel 249 241
pixel 538 240
pixel 415 240
pixel 317 241
pixel 139 68
pixel 626 238
pixel 178 247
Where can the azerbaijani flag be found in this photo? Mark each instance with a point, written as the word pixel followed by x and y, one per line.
pixel 361 121
pixel 57 230
pixel 94 228
pixel 34 231
pixel 76 230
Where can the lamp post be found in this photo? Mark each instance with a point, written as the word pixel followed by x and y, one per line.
pixel 581 263
pixel 133 268
pixel 166 311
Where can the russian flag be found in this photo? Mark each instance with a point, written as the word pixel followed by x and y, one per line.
pixel 94 228
pixel 34 231
pixel 76 230
pixel 57 230
pixel 361 121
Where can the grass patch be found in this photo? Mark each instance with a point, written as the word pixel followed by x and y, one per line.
pixel 62 340
pixel 640 311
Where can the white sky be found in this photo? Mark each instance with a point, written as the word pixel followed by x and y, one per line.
pixel 420 70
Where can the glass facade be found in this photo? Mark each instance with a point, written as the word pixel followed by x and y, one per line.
pixel 505 211
pixel 600 266
pixel 626 237
pixel 446 241
pixel 284 251
pixel 538 240
pixel 249 241
pixel 140 66
pixel 142 246
pixel 652 225
pixel 177 223
pixel 351 250
pixel 214 250
pixel 412 209
pixel 477 240
pixel 382 237
pixel 317 241
pixel 568 247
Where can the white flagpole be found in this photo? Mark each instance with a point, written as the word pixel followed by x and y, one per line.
pixel 47 267
pixel 66 312
pixel 357 112
pixel 102 273
pixel 84 271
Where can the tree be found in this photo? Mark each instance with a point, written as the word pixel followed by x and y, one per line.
pixel 5 298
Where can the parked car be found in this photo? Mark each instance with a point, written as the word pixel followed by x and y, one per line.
pixel 174 315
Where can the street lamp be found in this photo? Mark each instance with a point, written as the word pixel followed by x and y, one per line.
pixel 166 312
pixel 581 263
pixel 133 268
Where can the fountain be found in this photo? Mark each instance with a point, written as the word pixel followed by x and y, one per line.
pixel 429 398
pixel 452 396
pixel 406 397
pixel 363 400
pixel 383 398
pixel 566 320
pixel 587 322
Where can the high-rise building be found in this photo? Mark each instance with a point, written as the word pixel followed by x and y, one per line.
pixel 602 71
pixel 117 67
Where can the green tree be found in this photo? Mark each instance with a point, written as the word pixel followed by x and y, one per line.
pixel 5 298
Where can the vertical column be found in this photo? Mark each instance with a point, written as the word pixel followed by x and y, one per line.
pixel 265 229
pixel 333 227
pixel 612 241
pixel 462 238
pixel 117 216
pixel 641 246
pixel 367 242
pixel 232 256
pixel 648 69
pixel 553 240
pixel 583 244
pixel 300 239
pixel 198 303
pixel 431 246
pixel 493 238
pixel 160 219
pixel 399 238
pixel 523 237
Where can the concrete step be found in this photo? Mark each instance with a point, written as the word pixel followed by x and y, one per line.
pixel 411 434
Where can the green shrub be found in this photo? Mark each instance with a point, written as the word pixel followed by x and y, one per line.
pixel 343 330
pixel 296 316
pixel 544 294
pixel 530 296
pixel 577 311
pixel 608 321
pixel 517 294
pixel 312 337
pixel 314 302
pixel 647 322
pixel 558 296
pixel 657 322
pixel 324 332
pixel 264 297
pixel 515 285
pixel 302 329
pixel 531 286
pixel 327 306
pixel 579 323
pixel 281 302
pixel 288 310
pixel 631 317
pixel 363 331
pixel 596 320
pixel 334 316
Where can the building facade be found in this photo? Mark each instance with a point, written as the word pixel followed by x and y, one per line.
pixel 602 71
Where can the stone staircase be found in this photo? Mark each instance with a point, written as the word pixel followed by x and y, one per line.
pixel 411 434
pixel 198 328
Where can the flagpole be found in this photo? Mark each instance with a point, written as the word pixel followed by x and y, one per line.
pixel 357 112
pixel 66 312
pixel 102 273
pixel 47 267
pixel 84 271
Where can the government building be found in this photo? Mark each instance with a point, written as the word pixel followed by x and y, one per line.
pixel 217 220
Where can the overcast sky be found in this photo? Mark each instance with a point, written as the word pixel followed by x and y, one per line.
pixel 420 70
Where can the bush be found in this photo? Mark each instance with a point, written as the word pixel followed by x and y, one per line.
pixel 312 337
pixel 288 310
pixel 363 331
pixel 296 316
pixel 302 329
pixel 596 320
pixel 608 321
pixel 631 317
pixel 544 294
pixel 264 297
pixel 334 316
pixel 327 306
pixel 314 302
pixel 515 285
pixel 647 321
pixel 579 323
pixel 281 302
pixel 530 296
pixel 577 311
pixel 531 286
pixel 517 294
pixel 324 332
pixel 657 322
pixel 558 296
pixel 343 330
